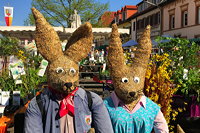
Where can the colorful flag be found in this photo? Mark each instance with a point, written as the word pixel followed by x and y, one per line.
pixel 8 11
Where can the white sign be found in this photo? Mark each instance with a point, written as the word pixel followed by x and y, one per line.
pixel 17 69
pixel 8 11
pixel 2 107
pixel 43 67
pixel 31 47
pixel 5 95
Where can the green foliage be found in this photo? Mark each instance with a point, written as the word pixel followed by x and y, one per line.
pixel 58 12
pixel 184 56
pixel 30 81
pixel 7 83
pixel 104 73
pixel 8 46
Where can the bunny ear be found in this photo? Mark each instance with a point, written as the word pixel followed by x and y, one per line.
pixel 80 43
pixel 115 52
pixel 47 40
pixel 143 50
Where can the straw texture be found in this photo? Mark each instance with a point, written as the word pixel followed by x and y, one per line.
pixel 63 65
pixel 128 81
pixel 81 40
pixel 47 40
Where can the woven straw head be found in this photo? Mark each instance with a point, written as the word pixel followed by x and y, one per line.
pixel 63 65
pixel 128 81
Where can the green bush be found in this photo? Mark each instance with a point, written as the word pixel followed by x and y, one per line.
pixel 184 56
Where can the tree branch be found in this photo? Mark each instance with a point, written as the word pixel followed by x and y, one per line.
pixel 50 14
pixel 63 4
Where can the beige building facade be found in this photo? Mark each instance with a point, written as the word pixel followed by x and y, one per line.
pixel 152 18
pixel 181 18
pixel 147 14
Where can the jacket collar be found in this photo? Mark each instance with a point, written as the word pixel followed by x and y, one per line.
pixel 81 93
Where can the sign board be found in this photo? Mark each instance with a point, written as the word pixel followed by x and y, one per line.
pixel 17 69
pixel 5 95
pixel 43 67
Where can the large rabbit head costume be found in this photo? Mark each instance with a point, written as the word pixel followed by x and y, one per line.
pixel 128 81
pixel 63 68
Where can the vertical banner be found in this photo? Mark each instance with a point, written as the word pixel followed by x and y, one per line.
pixel 8 11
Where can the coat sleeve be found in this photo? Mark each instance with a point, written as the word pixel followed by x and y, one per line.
pixel 33 118
pixel 100 116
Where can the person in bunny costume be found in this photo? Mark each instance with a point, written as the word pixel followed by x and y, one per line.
pixel 65 105
pixel 130 111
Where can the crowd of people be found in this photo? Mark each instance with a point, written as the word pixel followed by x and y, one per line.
pixel 97 56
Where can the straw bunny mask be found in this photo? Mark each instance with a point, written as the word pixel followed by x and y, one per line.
pixel 62 72
pixel 128 81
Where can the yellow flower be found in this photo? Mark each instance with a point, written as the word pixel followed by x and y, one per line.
pixel 20 52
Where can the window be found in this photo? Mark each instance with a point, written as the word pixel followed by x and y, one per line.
pixel 145 5
pixel 142 23
pixel 133 26
pixel 151 20
pixel 137 25
pixel 124 16
pixel 140 7
pixel 146 21
pixel 154 1
pixel 172 21
pixel 198 15
pixel 156 19
pixel 117 19
pixel 159 18
pixel 184 18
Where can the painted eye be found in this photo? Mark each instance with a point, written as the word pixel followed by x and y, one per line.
pixel 136 79
pixel 72 71
pixel 59 70
pixel 124 80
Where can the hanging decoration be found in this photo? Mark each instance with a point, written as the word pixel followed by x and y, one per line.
pixel 8 11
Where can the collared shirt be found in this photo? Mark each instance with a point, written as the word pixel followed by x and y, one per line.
pixel 67 121
pixel 160 124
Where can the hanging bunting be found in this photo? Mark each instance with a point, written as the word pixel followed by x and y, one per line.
pixel 8 11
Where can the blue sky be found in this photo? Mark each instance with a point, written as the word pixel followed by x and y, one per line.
pixel 22 9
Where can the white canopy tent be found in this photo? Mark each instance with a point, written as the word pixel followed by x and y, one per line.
pixel 64 33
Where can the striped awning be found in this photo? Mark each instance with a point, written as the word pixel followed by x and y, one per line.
pixel 98 31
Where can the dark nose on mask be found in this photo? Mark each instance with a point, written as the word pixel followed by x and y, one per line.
pixel 68 85
pixel 132 94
